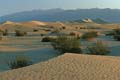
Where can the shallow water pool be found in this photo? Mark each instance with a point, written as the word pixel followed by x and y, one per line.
pixel 35 55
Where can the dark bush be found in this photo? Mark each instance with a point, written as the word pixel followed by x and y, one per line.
pixel 19 61
pixel 116 34
pixel 72 34
pixel 5 32
pixel 42 34
pixel 116 31
pixel 75 50
pixel 82 27
pixel 35 30
pixel 47 39
pixel 109 33
pixel 20 33
pixel 117 37
pixel 63 27
pixel 67 45
pixel 98 48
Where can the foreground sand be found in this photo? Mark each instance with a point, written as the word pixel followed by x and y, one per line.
pixel 69 67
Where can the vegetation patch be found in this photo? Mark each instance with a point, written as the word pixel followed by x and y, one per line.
pixel 89 35
pixel 20 33
pixel 98 48
pixel 19 61
pixel 66 44
pixel 47 39
pixel 116 34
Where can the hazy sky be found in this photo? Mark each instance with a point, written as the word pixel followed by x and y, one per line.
pixel 11 6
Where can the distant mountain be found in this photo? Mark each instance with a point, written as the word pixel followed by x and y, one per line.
pixel 109 15
pixel 100 21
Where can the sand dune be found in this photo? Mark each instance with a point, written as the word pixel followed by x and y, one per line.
pixel 39 23
pixel 69 67
pixel 9 22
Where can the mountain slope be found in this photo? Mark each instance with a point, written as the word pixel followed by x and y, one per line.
pixel 110 15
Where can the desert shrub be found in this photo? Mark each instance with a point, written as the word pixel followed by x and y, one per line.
pixel 19 61
pixel 20 33
pixel 63 27
pixel 110 33
pixel 67 44
pixel 82 27
pixel 89 35
pixel 116 31
pixel 5 32
pixel 35 30
pixel 116 34
pixel 117 37
pixel 78 36
pixel 56 31
pixel 72 34
pixel 75 35
pixel 47 39
pixel 42 34
pixel 98 48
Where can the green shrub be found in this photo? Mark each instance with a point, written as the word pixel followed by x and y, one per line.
pixel 98 48
pixel 35 30
pixel 116 31
pixel 19 61
pixel 117 37
pixel 72 34
pixel 20 33
pixel 47 39
pixel 89 35
pixel 109 33
pixel 67 44
pixel 82 27
pixel 42 34
pixel 4 32
pixel 116 34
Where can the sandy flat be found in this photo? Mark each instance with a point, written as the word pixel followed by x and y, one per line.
pixel 21 44
pixel 69 67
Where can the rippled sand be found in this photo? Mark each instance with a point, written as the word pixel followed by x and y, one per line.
pixel 69 67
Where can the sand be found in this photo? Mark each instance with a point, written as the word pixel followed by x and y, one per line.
pixel 69 67
pixel 9 43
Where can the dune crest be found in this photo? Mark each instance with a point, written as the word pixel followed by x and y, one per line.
pixel 38 23
pixel 69 67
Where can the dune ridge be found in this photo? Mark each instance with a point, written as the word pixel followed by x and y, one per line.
pixel 69 67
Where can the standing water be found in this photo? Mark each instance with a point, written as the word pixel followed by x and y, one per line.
pixel 35 55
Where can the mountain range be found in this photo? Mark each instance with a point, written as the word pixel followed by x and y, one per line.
pixel 50 15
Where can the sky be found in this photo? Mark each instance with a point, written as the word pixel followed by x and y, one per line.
pixel 13 6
